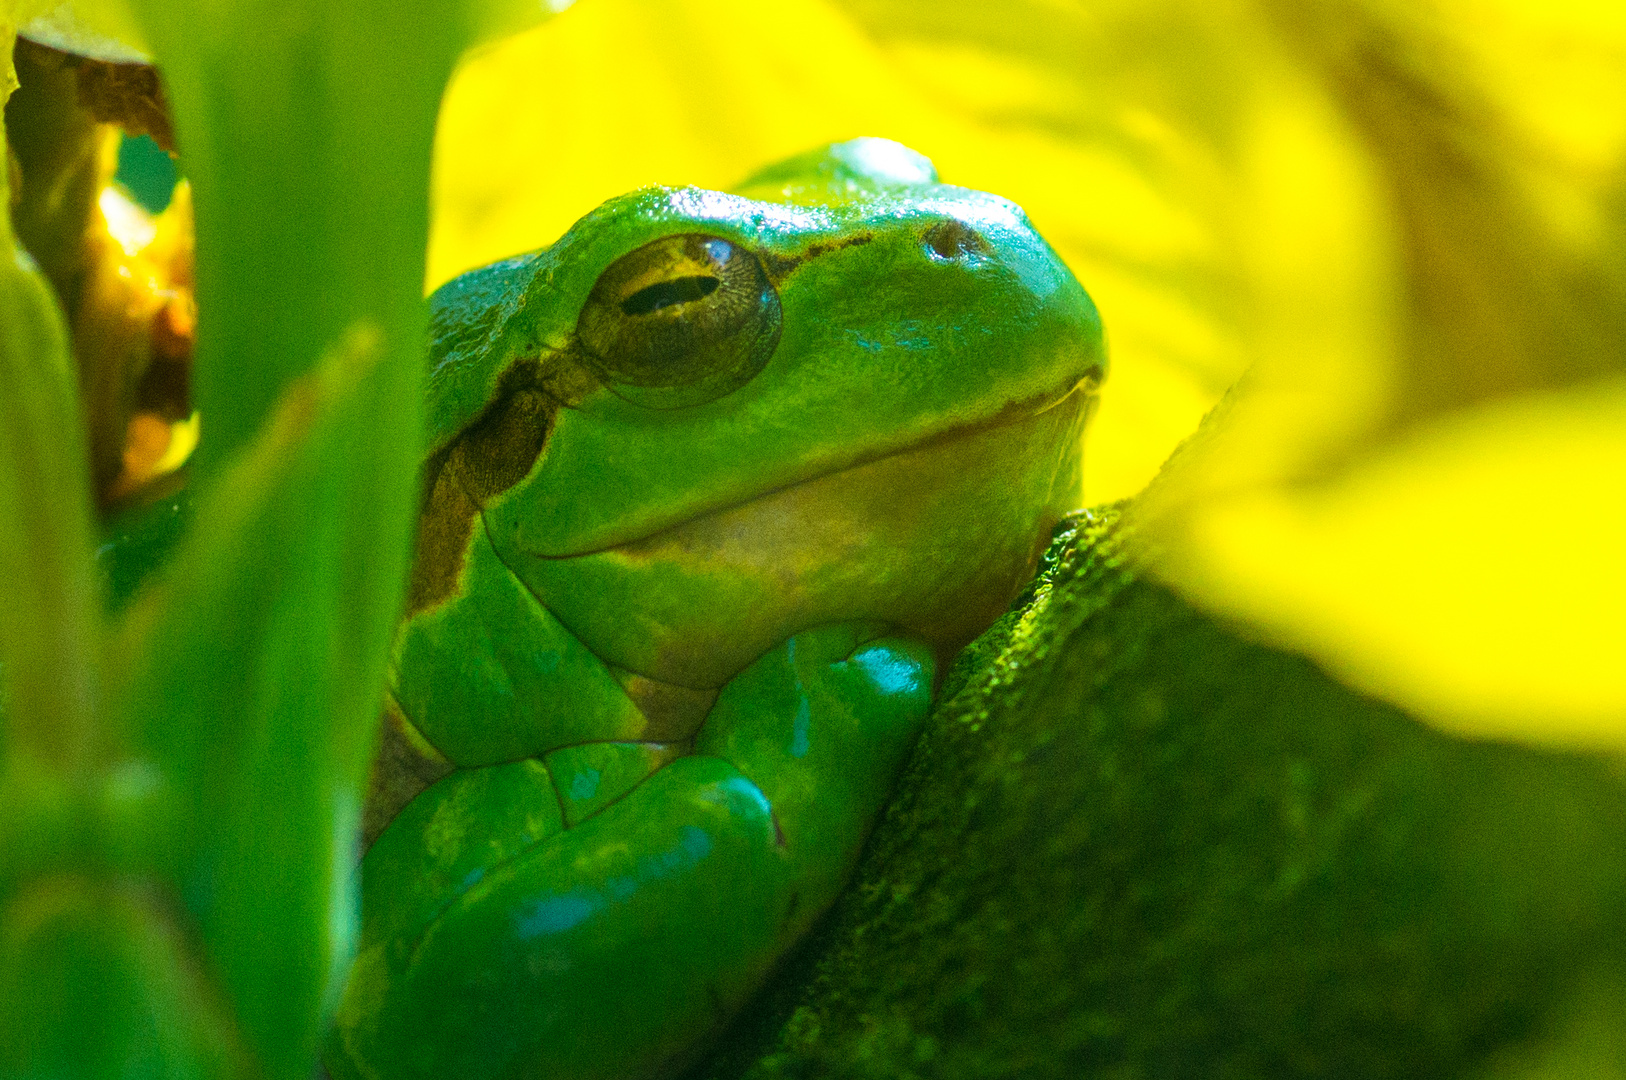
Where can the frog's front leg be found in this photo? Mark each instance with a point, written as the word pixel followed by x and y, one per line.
pixel 611 948
pixel 490 675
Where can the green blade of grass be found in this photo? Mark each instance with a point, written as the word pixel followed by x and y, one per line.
pixel 261 679
pixel 48 631
pixel 97 982
pixel 305 129
pixel 257 669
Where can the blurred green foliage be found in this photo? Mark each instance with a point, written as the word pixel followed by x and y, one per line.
pixel 1262 873
pixel 146 171
pixel 180 786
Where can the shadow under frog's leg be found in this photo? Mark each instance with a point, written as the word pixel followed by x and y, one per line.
pixel 404 765
pixel 670 709
pixel 611 949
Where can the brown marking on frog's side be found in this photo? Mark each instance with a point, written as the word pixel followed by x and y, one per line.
pixel 495 452
pixel 444 524
pixel 405 765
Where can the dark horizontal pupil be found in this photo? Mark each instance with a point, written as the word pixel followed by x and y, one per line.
pixel 666 293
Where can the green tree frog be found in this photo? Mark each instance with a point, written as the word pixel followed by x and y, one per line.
pixel 717 484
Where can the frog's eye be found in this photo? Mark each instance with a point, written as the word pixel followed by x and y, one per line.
pixel 681 321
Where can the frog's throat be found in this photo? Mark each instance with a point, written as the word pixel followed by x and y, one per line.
pixel 1079 394
pixel 936 539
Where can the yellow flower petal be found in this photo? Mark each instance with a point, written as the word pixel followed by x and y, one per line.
pixel 1475 572
pixel 615 94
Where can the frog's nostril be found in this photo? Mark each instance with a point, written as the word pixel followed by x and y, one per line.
pixel 953 240
pixel 666 293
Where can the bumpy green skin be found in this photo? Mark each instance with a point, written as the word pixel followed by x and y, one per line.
pixel 676 623
pixel 496 942
pixel 1135 844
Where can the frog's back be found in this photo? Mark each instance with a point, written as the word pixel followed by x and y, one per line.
pixel 468 318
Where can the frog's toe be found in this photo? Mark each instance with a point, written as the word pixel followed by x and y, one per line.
pixel 837 683
pixel 823 724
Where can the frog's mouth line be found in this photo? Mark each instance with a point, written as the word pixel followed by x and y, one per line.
pixel 1015 412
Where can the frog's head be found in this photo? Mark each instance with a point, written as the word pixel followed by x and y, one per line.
pixel 702 422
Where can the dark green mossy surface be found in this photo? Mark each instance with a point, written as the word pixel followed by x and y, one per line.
pixel 1134 844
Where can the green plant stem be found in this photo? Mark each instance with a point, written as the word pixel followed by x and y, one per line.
pixel 48 636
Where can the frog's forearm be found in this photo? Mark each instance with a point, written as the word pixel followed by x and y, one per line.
pixel 441 845
pixel 492 676
pixel 591 776
pixel 603 950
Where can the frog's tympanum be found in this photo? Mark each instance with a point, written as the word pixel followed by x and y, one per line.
pixel 716 486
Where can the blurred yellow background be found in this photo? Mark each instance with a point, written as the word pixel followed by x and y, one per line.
pixel 1401 220
pixel 615 94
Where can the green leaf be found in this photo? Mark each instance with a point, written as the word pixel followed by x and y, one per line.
pixel 260 684
pixel 258 665
pixel 488 20
pixel 309 157
pixel 47 630
pixel 104 29
pixel 96 980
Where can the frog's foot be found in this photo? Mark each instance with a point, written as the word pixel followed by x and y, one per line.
pixel 518 926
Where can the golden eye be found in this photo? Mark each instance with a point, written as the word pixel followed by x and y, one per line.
pixel 681 321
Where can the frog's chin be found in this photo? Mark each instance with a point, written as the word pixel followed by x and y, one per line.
pixel 936 540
